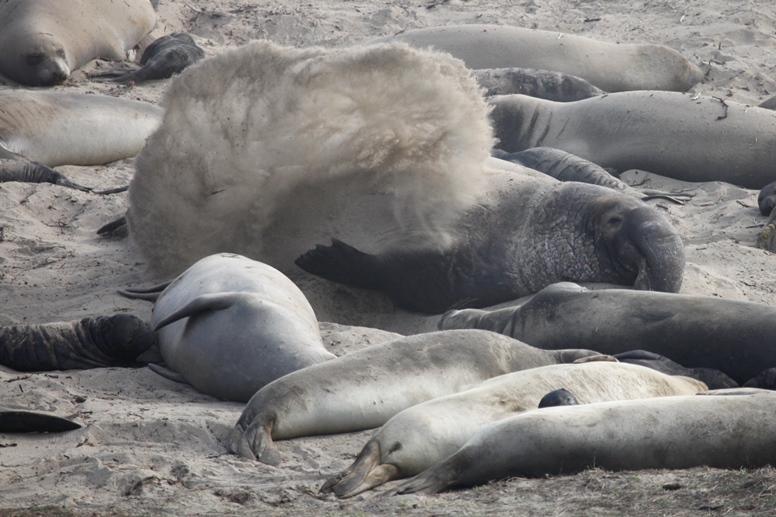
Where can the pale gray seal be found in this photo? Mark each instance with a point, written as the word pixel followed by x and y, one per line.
pixel 229 325
pixel 612 67
pixel 363 389
pixel 723 429
pixel 43 41
pixel 732 336
pixel 40 129
pixel 92 342
pixel 424 434
pixel 529 231
pixel 678 135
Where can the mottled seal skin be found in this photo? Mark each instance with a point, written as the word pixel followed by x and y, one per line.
pixel 732 336
pixel 424 434
pixel 229 325
pixel 544 84
pixel 725 429
pixel 363 389
pixel 528 232
pixel 687 137
pixel 609 66
pixel 165 57
pixel 87 343
pixel 43 41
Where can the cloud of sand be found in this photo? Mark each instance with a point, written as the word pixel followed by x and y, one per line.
pixel 263 132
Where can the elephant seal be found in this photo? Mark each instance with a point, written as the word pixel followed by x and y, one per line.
pixel 43 41
pixel 165 57
pixel 87 343
pixel 363 389
pixel 544 84
pixel 714 379
pixel 559 397
pixel 612 67
pixel 687 137
pixel 766 199
pixel 565 166
pixel 23 421
pixel 731 336
pixel 422 435
pixel 723 429
pixel 230 325
pixel 527 232
pixel 769 104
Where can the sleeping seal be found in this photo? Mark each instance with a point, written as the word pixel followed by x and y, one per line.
pixel 613 67
pixel 87 343
pixel 719 429
pixel 363 389
pixel 732 336
pixel 43 41
pixel 528 231
pixel 687 137
pixel 229 325
pixel 422 435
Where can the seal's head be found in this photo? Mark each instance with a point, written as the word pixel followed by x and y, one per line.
pixel 42 62
pixel 767 199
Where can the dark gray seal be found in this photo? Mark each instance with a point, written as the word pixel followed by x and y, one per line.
pixel 732 336
pixel 14 420
pixel 687 137
pixel 559 397
pixel 165 57
pixel 529 231
pixel 87 343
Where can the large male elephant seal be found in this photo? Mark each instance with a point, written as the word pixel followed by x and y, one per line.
pixel 612 67
pixel 682 136
pixel 363 389
pixel 527 232
pixel 86 343
pixel 229 325
pixel 724 429
pixel 422 435
pixel 43 41
pixel 735 337
pixel 39 130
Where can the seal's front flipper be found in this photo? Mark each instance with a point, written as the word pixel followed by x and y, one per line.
pixel 201 304
pixel 167 373
pixel 15 167
pixel 18 421
pixel 144 293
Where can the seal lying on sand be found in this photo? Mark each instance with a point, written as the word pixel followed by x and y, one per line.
pixel 165 57
pixel 682 136
pixel 766 200
pixel 613 67
pixel 722 429
pixel 527 232
pixel 732 336
pixel 39 130
pixel 363 389
pixel 43 41
pixel 87 343
pixel 229 325
pixel 424 434
pixel 544 84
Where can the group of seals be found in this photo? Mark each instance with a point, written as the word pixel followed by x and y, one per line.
pixel 527 232
pixel 427 433
pixel 43 41
pixel 363 389
pixel 93 342
pixel 612 67
pixel 678 135
pixel 229 325
pixel 725 429
pixel 732 336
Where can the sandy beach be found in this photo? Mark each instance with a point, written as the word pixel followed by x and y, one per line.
pixel 150 446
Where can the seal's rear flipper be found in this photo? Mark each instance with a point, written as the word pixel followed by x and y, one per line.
pixel 18 421
pixel 341 263
pixel 431 481
pixel 15 167
pixel 364 474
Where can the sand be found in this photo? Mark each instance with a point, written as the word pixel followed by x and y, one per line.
pixel 151 446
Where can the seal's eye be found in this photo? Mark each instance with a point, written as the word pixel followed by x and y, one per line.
pixel 35 59
pixel 615 220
